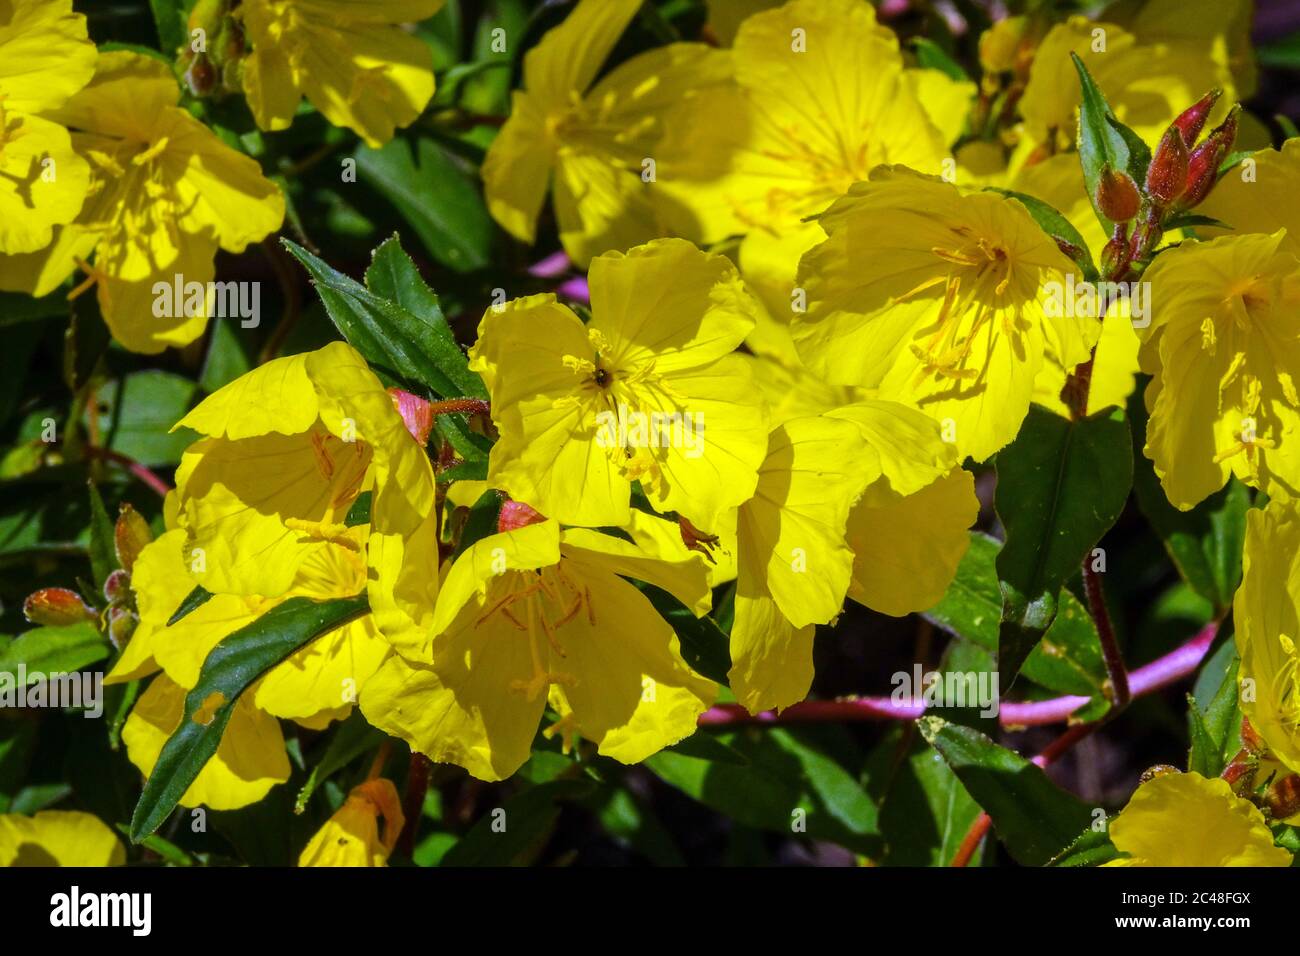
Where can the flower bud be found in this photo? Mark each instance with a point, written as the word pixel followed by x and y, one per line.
pixel 1117 195
pixel 1167 174
pixel 130 535
pixel 416 413
pixel 515 515
pixel 57 607
pixel 1191 120
pixel 1116 255
pixel 1203 164
pixel 121 625
pixel 117 587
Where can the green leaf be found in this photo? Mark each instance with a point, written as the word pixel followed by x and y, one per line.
pixel 348 741
pixel 1103 140
pixel 1190 220
pixel 227 357
pixel 1205 543
pixel 786 774
pixel 1283 54
pixel 931 56
pixel 1061 485
pixel 1068 658
pixel 17 308
pixel 1214 726
pixel 197 597
pixel 389 336
pixel 359 513
pixel 103 550
pixel 1052 222
pixel 482 521
pixel 926 813
pixel 703 645
pixel 136 414
pixel 231 666
pixel 44 651
pixel 514 832
pixel 169 16
pixel 1034 818
pixel 437 195
pixel 1091 848
pixel 394 276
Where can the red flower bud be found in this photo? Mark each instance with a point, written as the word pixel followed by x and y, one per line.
pixel 1117 195
pixel 117 587
pixel 1115 256
pixel 1191 120
pixel 130 536
pixel 1167 174
pixel 1203 164
pixel 416 413
pixel 57 607
pixel 515 515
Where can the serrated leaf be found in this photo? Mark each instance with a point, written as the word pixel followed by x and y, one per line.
pixel 1061 485
pixel 235 663
pixel 1034 818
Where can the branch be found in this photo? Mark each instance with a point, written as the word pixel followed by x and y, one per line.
pixel 1160 673
pixel 130 464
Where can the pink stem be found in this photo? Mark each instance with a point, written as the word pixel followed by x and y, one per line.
pixel 131 465
pixel 1162 672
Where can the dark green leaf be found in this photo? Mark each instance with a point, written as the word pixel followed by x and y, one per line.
pixel 136 415
pixel 103 552
pixel 483 518
pixel 197 597
pixel 169 17
pixel 437 196
pixel 931 56
pixel 1061 485
pixel 234 664
pixel 511 833
pixel 348 741
pixel 927 812
pixel 1214 713
pixel 1205 543
pixel 18 308
pixel 1091 848
pixel 1034 818
pixel 704 647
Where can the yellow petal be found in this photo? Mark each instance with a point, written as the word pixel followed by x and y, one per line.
pixel 58 838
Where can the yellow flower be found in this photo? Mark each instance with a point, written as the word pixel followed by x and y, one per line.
pixel 647 391
pixel 352 61
pixel 313 686
pixel 865 501
pixel 289 447
pixel 351 836
pixel 1222 348
pixel 537 613
pixel 819 97
pixel 58 838
pixel 936 298
pixel 165 194
pixel 1183 819
pixel 44 59
pixel 591 142
pixel 1259 196
pixel 1148 80
pixel 1267 615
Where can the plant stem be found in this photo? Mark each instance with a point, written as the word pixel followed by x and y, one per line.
pixel 451 406
pixel 1110 652
pixel 417 785
pixel 1160 673
pixel 130 464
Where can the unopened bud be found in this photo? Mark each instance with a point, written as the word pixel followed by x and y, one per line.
pixel 121 625
pixel 1250 738
pixel 1283 798
pixel 1117 195
pixel 117 587
pixel 57 607
pixel 1159 770
pixel 515 515
pixel 130 535
pixel 416 413
pixel 1116 255
pixel 1191 120
pixel 1167 174
pixel 201 76
pixel 1203 165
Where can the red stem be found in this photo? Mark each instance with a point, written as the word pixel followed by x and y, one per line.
pixel 451 406
pixel 130 464
pixel 1160 673
pixel 1110 652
